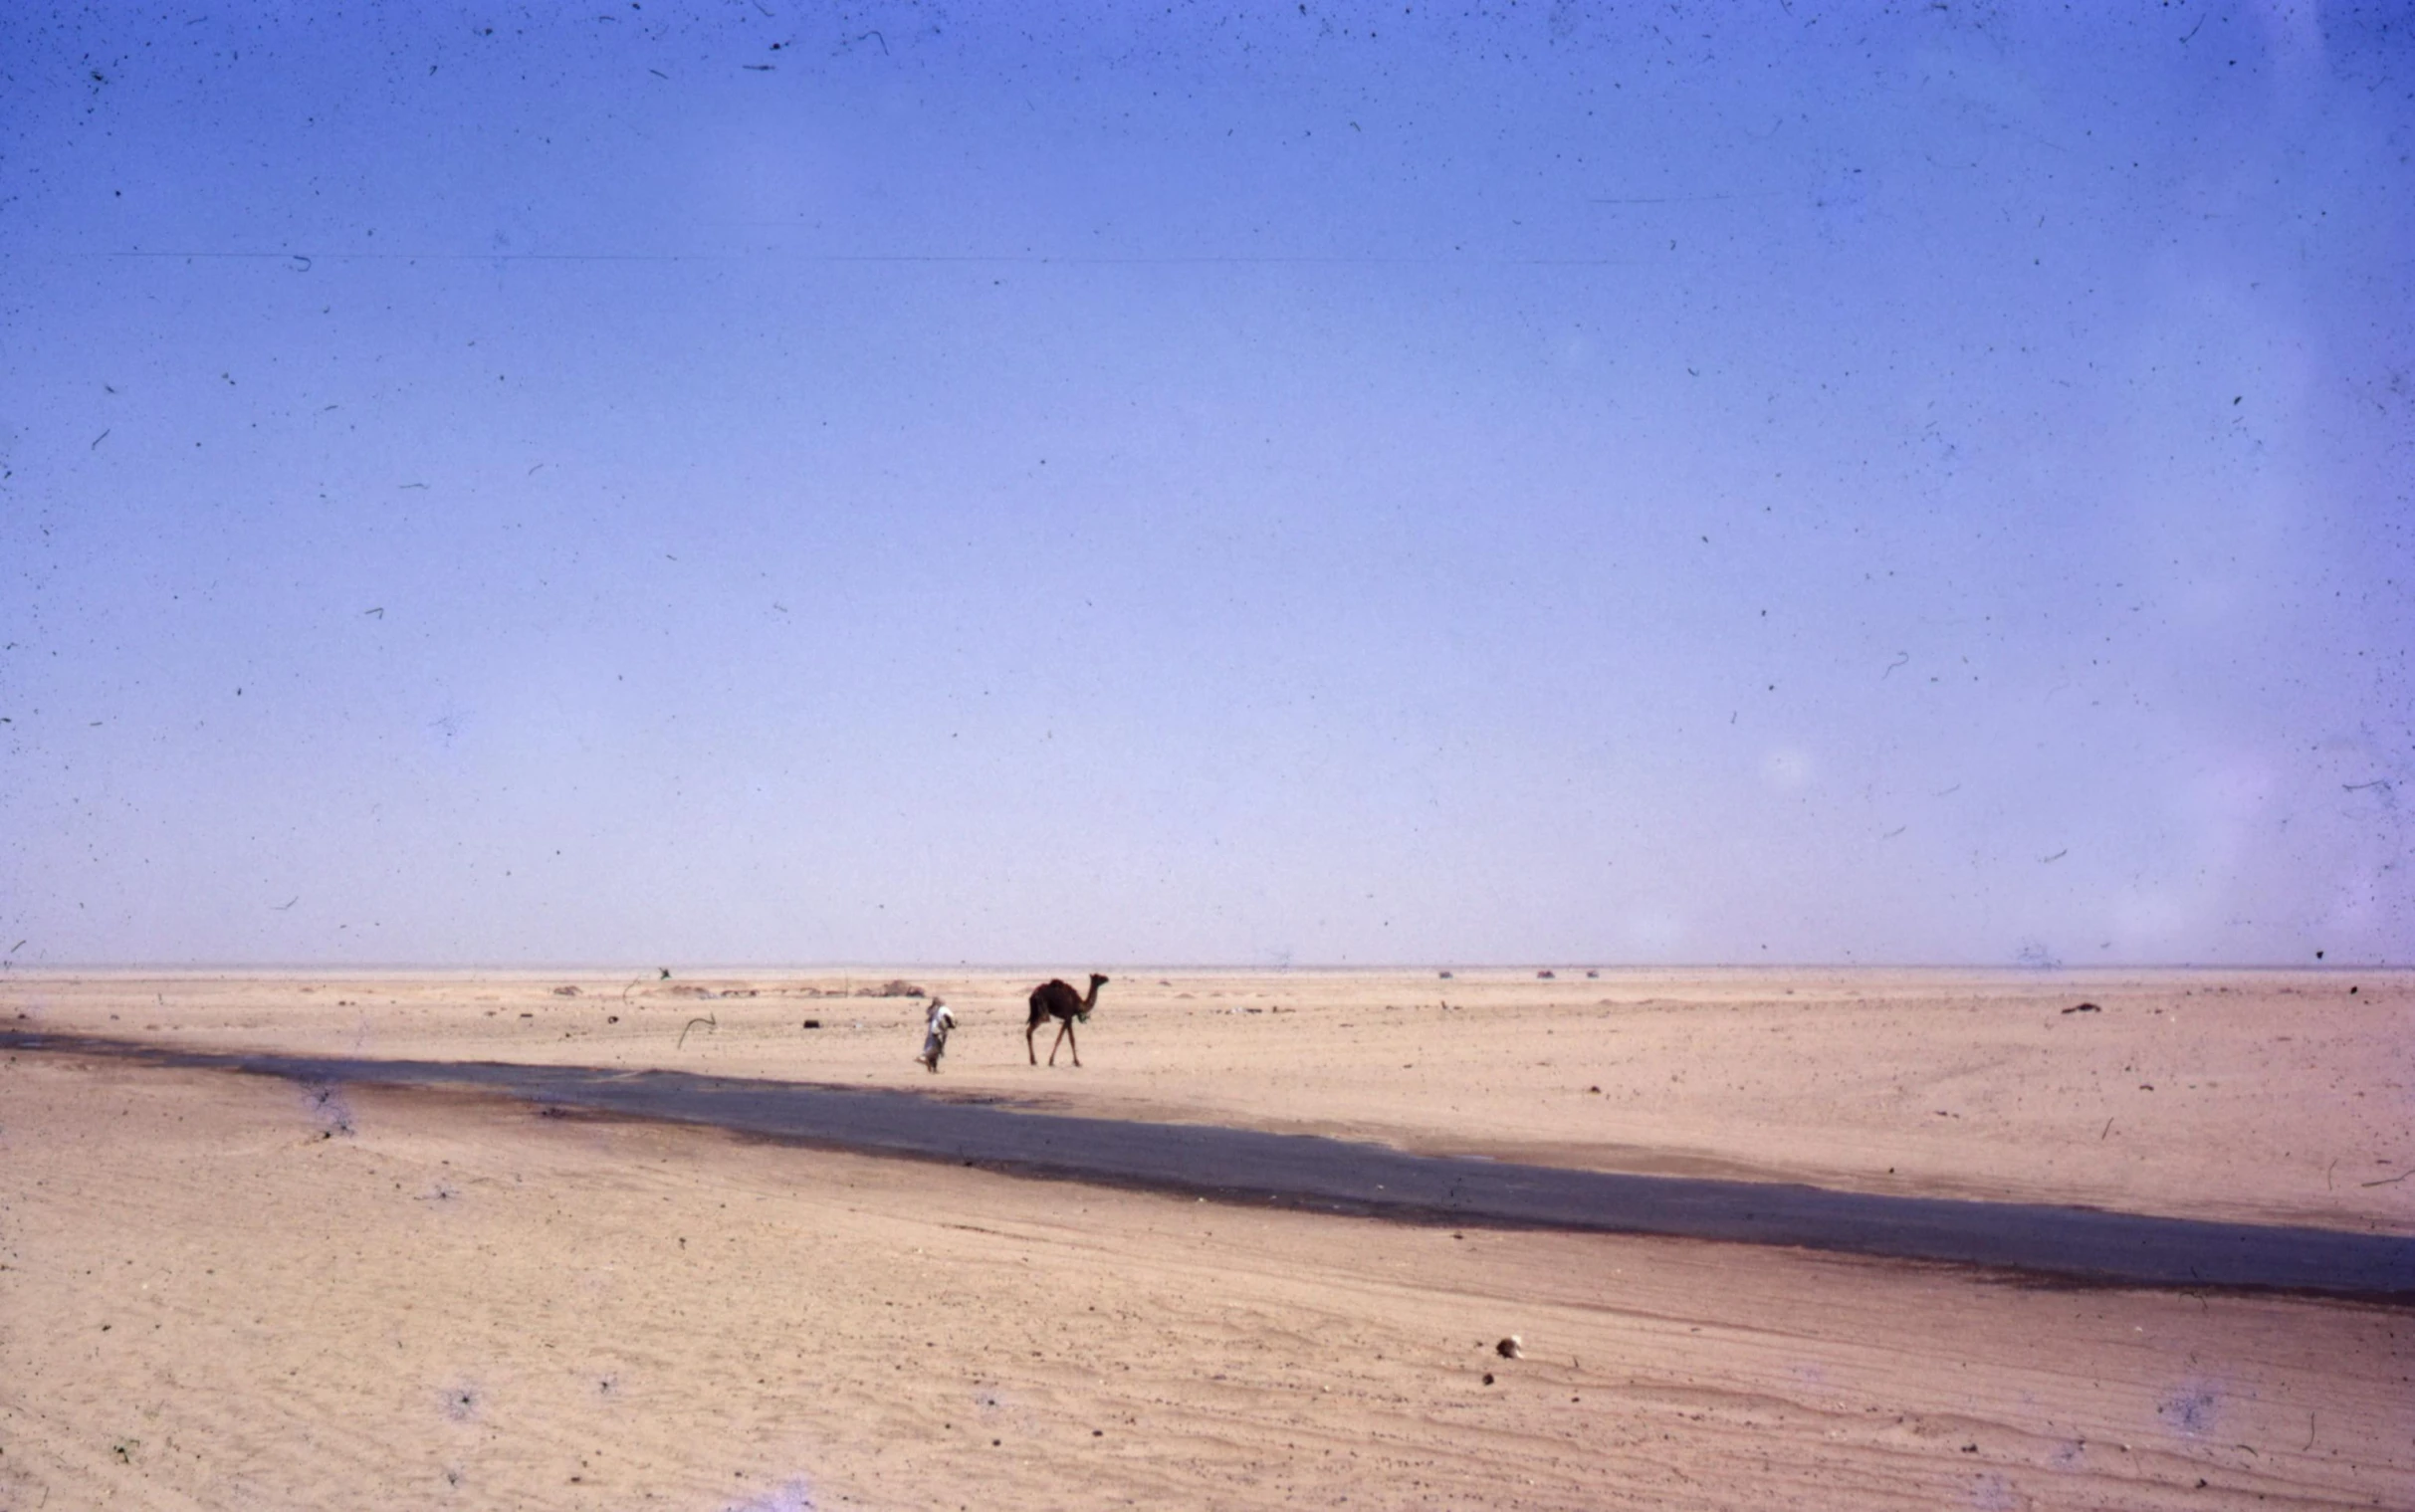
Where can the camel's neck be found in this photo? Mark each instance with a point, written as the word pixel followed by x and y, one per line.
pixel 1091 1001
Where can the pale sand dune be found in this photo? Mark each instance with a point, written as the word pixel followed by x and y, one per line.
pixel 2275 1096
pixel 223 1292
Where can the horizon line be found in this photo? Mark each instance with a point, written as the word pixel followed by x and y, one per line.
pixel 561 968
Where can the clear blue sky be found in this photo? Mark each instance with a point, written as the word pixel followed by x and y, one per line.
pixel 765 483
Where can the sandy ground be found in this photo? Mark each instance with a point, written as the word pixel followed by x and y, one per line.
pixel 2264 1097
pixel 225 1291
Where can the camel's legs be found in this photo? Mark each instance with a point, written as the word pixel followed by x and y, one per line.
pixel 1063 1035
pixel 1029 1030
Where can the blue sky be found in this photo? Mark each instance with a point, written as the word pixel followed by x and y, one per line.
pixel 763 483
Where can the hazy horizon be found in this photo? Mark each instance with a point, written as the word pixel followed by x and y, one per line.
pixel 681 970
pixel 739 482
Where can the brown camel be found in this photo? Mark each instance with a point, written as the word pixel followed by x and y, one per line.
pixel 1056 999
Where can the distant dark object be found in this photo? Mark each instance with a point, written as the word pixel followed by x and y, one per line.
pixel 666 972
pixel 1509 1347
pixel 1488 1377
pixel 1592 975
pixel 811 1023
pixel 2084 1008
pixel 2352 991
pixel 1445 976
pixel 1544 975
pixel 565 992
pixel 2318 955
pixel 1056 999
pixel 2034 956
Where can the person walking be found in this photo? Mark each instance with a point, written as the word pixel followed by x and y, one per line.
pixel 935 1034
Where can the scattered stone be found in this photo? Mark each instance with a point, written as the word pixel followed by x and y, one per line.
pixel 1509 1347
pixel 565 992
pixel 2084 1008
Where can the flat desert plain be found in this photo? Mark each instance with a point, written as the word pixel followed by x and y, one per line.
pixel 227 1290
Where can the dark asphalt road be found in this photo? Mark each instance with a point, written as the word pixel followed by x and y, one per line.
pixel 2070 1244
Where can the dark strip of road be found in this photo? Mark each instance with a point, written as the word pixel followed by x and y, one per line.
pixel 2072 1245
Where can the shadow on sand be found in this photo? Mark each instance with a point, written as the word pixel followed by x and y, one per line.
pixel 2070 1245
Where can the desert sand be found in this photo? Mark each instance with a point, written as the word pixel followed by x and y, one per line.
pixel 228 1291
